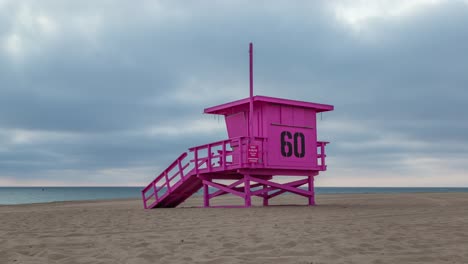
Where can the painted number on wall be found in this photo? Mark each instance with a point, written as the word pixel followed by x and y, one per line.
pixel 288 148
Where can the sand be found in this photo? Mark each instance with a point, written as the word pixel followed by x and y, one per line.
pixel 364 228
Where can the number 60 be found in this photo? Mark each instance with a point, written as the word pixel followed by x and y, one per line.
pixel 287 148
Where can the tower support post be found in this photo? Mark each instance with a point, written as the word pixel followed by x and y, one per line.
pixel 265 195
pixel 206 195
pixel 311 190
pixel 247 193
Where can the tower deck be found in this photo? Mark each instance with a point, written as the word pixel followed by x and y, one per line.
pixel 229 160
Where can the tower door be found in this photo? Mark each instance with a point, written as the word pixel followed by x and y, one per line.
pixel 292 147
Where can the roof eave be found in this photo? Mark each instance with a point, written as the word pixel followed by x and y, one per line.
pixel 317 107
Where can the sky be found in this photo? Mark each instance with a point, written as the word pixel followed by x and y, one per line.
pixel 108 93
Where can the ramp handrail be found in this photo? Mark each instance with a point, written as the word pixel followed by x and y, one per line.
pixel 164 180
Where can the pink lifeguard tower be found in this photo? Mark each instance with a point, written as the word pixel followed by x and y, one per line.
pixel 267 137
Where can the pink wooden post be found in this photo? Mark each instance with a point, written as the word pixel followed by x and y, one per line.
pixel 224 156
pixel 311 190
pixel 206 196
pixel 144 200
pixel 248 199
pixel 167 181
pixel 155 192
pixel 241 151
pixel 196 160
pixel 209 158
pixel 181 170
pixel 251 93
pixel 265 195
pixel 322 156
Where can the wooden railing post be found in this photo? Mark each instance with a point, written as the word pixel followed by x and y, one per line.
pixel 167 181
pixel 155 190
pixel 224 157
pixel 241 157
pixel 322 152
pixel 196 160
pixel 144 200
pixel 181 170
pixel 209 157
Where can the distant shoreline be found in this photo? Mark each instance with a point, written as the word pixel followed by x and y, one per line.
pixel 198 195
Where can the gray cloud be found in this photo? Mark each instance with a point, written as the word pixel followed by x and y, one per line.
pixel 91 87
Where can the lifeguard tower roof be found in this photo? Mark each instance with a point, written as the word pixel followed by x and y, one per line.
pixel 226 109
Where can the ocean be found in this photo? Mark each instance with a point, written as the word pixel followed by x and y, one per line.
pixel 26 195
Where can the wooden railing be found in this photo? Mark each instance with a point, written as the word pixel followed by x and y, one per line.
pixel 216 156
pixel 226 154
pixel 321 155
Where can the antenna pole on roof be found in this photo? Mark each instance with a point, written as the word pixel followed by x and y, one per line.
pixel 251 90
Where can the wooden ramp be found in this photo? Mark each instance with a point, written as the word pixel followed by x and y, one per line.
pixel 183 178
pixel 173 186
pixel 180 192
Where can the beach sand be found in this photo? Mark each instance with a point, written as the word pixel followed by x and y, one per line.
pixel 355 228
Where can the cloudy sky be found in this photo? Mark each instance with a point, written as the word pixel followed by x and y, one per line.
pixel 110 92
